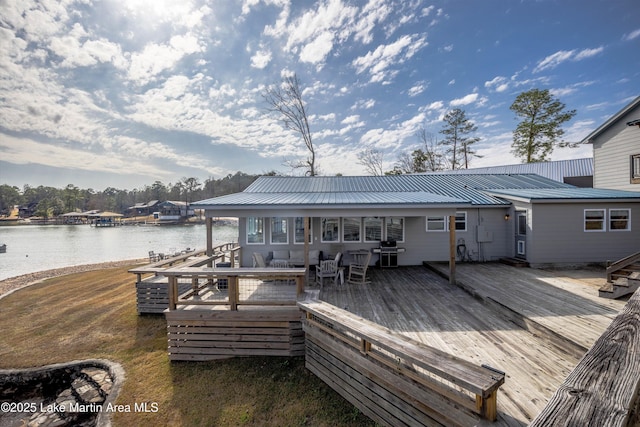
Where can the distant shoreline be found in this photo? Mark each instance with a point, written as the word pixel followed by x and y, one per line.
pixel 11 222
pixel 12 284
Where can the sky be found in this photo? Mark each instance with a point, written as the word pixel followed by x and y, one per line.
pixel 123 93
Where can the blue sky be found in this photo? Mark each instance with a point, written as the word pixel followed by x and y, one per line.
pixel 124 93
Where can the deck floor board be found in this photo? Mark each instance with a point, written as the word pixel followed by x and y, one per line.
pixel 418 303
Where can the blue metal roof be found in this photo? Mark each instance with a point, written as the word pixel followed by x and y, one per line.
pixel 556 170
pixel 568 194
pixel 407 190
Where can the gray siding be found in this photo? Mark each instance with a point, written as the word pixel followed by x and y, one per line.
pixel 420 245
pixel 558 235
pixel 611 152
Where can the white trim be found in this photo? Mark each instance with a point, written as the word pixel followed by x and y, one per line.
pixel 295 242
pixel 386 230
pixel 359 220
pixel 364 228
pixel 444 219
pixel 604 220
pixel 260 219
pixel 282 220
pixel 628 219
pixel 337 232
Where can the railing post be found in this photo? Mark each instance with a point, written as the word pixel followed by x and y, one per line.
pixel 300 285
pixel 234 294
pixel 173 291
pixel 488 406
pixel 608 271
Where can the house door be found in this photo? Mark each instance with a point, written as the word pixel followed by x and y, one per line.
pixel 521 234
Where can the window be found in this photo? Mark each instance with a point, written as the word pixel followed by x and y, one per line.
pixel 441 223
pixel 461 221
pixel 279 234
pixel 372 229
pixel 255 231
pixel 395 229
pixel 436 223
pixel 635 169
pixel 299 231
pixel 619 219
pixel 594 219
pixel 351 229
pixel 330 230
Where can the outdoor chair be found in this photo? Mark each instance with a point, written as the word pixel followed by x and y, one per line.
pixel 329 268
pixel 358 272
pixel 258 260
pixel 153 257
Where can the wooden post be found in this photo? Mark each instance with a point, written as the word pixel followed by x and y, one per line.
pixel 452 249
pixel 300 281
pixel 306 250
pixel 488 406
pixel 209 222
pixel 173 291
pixel 234 294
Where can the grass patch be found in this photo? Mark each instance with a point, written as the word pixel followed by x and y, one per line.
pixel 93 315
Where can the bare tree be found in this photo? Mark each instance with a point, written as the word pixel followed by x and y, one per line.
pixel 286 100
pixel 432 158
pixel 371 158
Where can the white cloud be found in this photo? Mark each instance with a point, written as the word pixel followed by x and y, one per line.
pixel 351 119
pixel 378 62
pixel 364 104
pixel 465 100
pixel 498 84
pixel 632 35
pixel 316 51
pixel 261 59
pixel 155 58
pixel 417 89
pixel 553 60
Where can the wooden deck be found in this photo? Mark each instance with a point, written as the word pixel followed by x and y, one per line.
pixel 490 322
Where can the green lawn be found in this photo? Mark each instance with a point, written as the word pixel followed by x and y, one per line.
pixel 93 315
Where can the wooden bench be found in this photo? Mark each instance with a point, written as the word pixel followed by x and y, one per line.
pixel 391 378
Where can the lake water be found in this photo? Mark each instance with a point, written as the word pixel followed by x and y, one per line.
pixel 32 248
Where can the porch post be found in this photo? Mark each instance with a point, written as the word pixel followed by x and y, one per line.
pixel 306 251
pixel 209 222
pixel 452 249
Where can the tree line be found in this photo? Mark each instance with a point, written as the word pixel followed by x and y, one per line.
pixel 48 202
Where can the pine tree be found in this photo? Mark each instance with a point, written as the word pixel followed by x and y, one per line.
pixel 539 131
pixel 456 133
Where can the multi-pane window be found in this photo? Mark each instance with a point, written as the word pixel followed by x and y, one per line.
pixel 372 229
pixel 330 229
pixel 594 220
pixel 255 230
pixel 395 229
pixel 299 231
pixel 436 223
pixel 441 223
pixel 635 169
pixel 461 221
pixel 279 230
pixel 351 229
pixel 619 219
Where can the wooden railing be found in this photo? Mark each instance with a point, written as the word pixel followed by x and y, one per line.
pixel 243 286
pixel 391 378
pixel 620 264
pixel 221 253
pixel 602 390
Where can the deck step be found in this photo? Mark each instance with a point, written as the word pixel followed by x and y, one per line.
pixel 620 287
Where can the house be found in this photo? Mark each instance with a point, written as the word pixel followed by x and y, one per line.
pixel 172 211
pixel 480 217
pixel 616 150
pixel 143 208
pixel 578 172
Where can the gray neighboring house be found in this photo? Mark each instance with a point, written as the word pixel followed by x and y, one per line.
pixel 525 216
pixel 616 150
